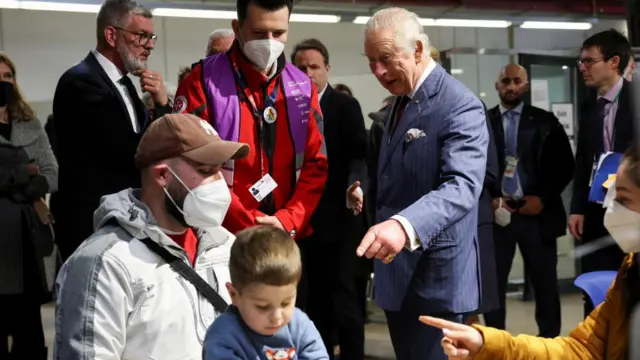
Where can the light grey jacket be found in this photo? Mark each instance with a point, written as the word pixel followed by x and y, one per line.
pixel 31 138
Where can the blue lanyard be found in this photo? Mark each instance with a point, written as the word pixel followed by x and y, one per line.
pixel 269 101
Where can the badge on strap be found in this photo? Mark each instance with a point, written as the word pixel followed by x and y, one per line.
pixel 270 115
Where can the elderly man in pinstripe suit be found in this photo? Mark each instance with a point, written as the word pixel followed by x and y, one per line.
pixel 430 175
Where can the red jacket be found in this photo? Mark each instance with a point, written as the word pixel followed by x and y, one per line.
pixel 295 202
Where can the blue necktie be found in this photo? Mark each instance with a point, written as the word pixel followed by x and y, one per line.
pixel 511 185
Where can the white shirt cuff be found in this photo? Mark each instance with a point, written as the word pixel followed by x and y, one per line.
pixel 413 242
pixel 351 205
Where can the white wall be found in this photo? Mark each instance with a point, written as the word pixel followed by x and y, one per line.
pixel 45 44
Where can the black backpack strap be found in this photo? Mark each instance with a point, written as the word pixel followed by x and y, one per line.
pixel 188 273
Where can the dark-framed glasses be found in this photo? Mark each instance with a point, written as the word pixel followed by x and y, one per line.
pixel 144 38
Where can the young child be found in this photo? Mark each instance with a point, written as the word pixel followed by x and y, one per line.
pixel 263 322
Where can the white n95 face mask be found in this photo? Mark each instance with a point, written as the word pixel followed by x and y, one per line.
pixel 264 52
pixel 501 216
pixel 622 224
pixel 206 205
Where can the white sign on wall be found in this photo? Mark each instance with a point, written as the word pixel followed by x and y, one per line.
pixel 564 113
pixel 540 94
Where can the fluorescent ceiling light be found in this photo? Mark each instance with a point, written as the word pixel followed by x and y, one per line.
pixel 450 22
pixel 49 6
pixel 220 14
pixel 551 25
pixel 315 18
pixel 457 71
pixel 193 13
pixel 364 19
pixel 471 23
pixel 361 19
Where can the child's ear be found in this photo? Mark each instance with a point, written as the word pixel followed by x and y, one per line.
pixel 232 292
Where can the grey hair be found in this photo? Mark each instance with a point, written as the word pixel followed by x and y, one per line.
pixel 117 13
pixel 405 25
pixel 217 34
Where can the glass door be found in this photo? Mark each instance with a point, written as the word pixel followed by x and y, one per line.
pixel 556 86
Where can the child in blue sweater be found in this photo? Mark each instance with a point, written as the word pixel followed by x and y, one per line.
pixel 263 322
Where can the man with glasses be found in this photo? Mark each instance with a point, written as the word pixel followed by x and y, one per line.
pixel 605 124
pixel 99 118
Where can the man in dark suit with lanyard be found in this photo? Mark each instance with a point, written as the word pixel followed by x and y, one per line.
pixel 605 124
pixel 99 118
pixel 334 304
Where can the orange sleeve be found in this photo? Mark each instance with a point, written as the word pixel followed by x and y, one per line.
pixel 313 176
pixel 190 97
pixel 588 341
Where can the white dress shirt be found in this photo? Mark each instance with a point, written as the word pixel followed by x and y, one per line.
pixel 115 75
pixel 413 242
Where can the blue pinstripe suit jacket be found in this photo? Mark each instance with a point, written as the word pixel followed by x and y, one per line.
pixel 434 181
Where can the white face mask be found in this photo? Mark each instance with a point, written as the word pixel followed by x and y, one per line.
pixel 206 205
pixel 622 223
pixel 263 53
pixel 501 216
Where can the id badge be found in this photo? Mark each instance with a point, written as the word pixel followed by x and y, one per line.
pixel 510 168
pixel 263 187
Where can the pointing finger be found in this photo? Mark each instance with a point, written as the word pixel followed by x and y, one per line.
pixel 441 324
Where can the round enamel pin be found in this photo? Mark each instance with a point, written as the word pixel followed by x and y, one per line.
pixel 270 115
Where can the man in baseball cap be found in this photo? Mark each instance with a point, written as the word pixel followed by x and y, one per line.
pixel 118 286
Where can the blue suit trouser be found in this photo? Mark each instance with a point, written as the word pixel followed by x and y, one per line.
pixel 413 340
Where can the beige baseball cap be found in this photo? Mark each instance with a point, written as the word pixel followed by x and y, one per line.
pixel 187 135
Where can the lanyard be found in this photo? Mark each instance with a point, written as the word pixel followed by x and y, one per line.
pixel 269 101
pixel 609 135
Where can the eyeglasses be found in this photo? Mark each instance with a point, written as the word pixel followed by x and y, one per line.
pixel 588 62
pixel 143 37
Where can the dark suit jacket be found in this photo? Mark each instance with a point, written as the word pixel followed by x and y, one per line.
pixel 346 141
pixel 550 156
pixel 590 146
pixel 95 146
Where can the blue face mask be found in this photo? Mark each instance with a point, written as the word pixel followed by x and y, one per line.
pixel 6 93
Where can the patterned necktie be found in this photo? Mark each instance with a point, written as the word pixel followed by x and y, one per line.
pixel 606 127
pixel 511 185
pixel 400 110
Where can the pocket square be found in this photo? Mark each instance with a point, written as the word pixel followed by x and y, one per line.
pixel 413 134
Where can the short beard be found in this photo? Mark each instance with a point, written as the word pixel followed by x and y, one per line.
pixel 511 102
pixel 131 63
pixel 174 209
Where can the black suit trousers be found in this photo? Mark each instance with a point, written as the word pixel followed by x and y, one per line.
pixel 333 302
pixel 540 259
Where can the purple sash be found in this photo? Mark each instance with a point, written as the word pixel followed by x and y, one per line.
pixel 224 109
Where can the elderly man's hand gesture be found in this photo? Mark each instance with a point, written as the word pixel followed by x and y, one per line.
pixel 383 241
pixel 459 341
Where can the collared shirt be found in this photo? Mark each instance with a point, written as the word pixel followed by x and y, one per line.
pixel 115 75
pixel 320 93
pixel 517 112
pixel 610 110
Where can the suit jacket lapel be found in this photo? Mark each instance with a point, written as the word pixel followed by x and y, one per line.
pixel 498 130
pixel 416 108
pixel 95 65
pixel 526 121
pixel 620 128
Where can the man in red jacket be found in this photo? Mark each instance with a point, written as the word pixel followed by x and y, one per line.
pixel 250 94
